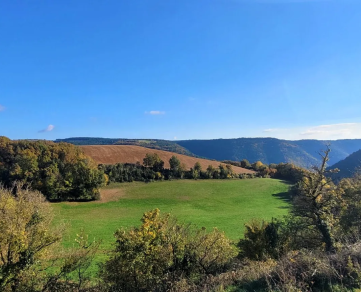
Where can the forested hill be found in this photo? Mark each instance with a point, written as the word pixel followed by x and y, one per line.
pixel 270 150
pixel 147 143
pixel 349 166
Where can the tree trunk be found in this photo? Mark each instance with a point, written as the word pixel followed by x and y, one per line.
pixel 326 235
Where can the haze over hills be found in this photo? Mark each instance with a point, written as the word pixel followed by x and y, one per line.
pixel 268 150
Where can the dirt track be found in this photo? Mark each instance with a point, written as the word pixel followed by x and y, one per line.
pixel 111 154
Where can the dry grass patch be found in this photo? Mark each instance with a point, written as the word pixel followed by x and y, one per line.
pixel 110 195
pixel 112 154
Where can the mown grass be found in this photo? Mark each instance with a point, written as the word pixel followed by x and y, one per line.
pixel 225 204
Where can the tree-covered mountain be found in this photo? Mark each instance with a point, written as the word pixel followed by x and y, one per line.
pixel 88 141
pixel 348 166
pixel 165 145
pixel 270 150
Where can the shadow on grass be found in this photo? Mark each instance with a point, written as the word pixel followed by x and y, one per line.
pixel 285 197
pixel 286 182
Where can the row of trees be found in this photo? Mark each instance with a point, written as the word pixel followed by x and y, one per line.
pixel 286 171
pixel 61 171
pixel 153 169
pixel 178 169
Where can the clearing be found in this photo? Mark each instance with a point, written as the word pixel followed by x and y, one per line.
pixel 225 204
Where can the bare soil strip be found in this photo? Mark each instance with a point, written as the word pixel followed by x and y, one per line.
pixel 110 195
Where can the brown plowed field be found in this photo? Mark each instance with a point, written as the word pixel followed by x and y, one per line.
pixel 111 154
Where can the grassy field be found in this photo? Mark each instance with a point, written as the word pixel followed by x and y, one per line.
pixel 226 204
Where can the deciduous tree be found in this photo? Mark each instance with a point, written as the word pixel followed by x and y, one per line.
pixel 60 171
pixel 27 245
pixel 245 163
pixel 319 202
pixel 174 163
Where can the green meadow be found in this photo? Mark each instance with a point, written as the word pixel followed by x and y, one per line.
pixel 225 204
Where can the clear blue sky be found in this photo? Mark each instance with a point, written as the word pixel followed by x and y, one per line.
pixel 184 69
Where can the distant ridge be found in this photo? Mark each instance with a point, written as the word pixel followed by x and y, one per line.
pixel 271 150
pixel 349 166
pixel 303 153
pixel 147 143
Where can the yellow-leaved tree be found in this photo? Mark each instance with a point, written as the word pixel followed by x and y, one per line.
pixel 30 259
pixel 25 236
pixel 319 203
pixel 162 252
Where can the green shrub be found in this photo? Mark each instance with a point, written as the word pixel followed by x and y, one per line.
pixel 162 252
pixel 263 240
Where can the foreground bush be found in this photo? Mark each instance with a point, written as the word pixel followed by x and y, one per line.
pixel 302 270
pixel 59 171
pixel 30 257
pixel 263 240
pixel 161 253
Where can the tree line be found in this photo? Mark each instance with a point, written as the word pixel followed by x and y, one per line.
pixel 152 169
pixel 285 171
pixel 61 171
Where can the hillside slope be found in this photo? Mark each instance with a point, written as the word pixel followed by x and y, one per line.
pixel 349 166
pixel 270 150
pixel 147 143
pixel 111 154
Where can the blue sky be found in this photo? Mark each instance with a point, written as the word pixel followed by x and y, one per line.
pixel 190 69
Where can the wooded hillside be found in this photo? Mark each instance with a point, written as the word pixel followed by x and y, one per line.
pixel 349 166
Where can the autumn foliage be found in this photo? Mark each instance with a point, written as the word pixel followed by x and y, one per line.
pixel 162 252
pixel 59 171
pixel 31 258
